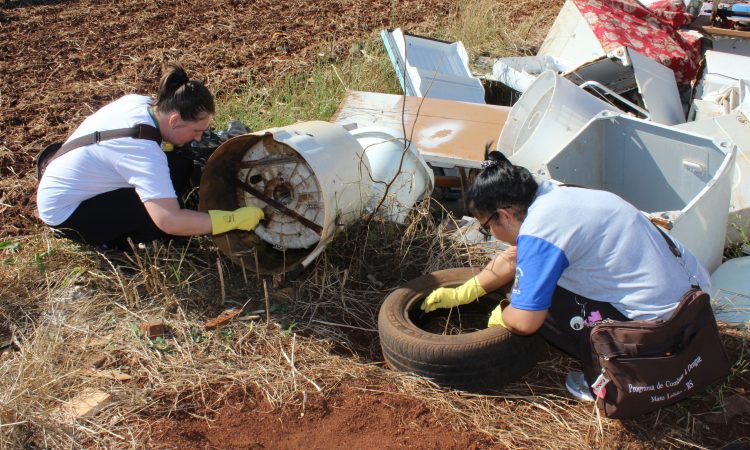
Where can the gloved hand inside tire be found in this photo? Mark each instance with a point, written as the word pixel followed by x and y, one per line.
pixel 449 297
pixel 496 318
pixel 245 218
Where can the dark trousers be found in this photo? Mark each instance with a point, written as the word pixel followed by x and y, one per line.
pixel 113 217
pixel 569 310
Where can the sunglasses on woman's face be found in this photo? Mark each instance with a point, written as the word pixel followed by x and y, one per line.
pixel 485 227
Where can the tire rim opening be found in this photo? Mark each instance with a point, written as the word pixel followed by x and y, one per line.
pixel 463 319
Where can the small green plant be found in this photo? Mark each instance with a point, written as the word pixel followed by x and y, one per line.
pixel 289 329
pixel 137 332
pixel 196 335
pixel 39 260
pixel 160 344
pixel 226 333
pixel 74 275
pixel 10 246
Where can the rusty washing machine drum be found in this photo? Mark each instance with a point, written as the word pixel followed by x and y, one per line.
pixel 306 177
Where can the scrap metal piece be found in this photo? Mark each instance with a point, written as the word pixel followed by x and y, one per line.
pixel 626 71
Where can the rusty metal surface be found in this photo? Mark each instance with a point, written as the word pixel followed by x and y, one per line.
pixel 216 192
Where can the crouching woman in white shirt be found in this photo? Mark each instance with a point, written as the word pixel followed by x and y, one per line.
pixel 111 190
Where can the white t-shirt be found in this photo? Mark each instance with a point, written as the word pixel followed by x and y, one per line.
pixel 596 245
pixel 95 169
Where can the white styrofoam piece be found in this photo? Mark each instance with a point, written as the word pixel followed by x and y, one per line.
pixel 722 70
pixel 518 72
pixel 745 98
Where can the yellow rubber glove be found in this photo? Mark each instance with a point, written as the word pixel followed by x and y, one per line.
pixel 245 218
pixel 450 297
pixel 496 318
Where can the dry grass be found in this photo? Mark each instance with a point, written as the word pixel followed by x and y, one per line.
pixel 80 313
pixel 499 29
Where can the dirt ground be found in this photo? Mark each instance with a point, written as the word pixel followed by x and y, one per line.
pixel 62 60
pixel 356 418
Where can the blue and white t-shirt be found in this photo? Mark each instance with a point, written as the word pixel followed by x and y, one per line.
pixel 599 246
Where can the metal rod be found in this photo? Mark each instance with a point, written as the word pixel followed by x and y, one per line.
pixel 609 91
pixel 274 204
pixel 267 162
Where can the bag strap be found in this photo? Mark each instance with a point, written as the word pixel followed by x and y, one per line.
pixel 140 131
pixel 673 248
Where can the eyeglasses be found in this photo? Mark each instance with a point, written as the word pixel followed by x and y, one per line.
pixel 485 227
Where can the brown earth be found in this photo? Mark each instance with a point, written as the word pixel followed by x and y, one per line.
pixel 355 418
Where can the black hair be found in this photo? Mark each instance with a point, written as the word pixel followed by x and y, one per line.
pixel 190 98
pixel 501 185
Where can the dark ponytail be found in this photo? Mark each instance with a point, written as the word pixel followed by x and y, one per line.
pixel 190 98
pixel 500 184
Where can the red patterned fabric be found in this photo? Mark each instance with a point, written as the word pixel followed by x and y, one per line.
pixel 671 12
pixel 627 23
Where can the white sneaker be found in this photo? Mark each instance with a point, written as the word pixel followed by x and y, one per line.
pixel 576 384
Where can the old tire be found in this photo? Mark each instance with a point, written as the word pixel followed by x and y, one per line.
pixel 480 360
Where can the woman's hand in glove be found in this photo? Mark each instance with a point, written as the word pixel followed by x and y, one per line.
pixel 450 297
pixel 245 218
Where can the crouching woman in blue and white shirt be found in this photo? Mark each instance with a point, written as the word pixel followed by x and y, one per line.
pixel 579 256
